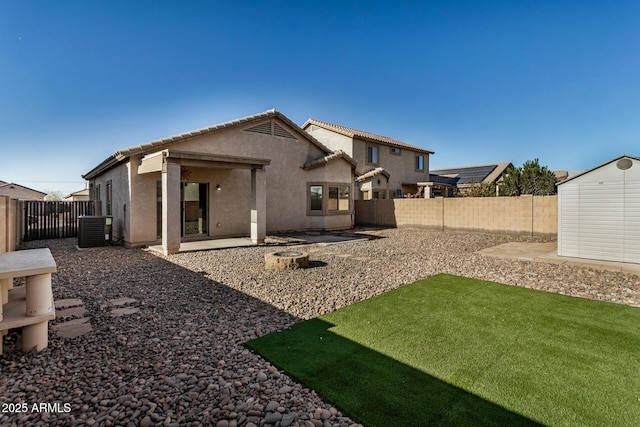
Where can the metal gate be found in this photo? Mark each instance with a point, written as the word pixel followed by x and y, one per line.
pixel 53 220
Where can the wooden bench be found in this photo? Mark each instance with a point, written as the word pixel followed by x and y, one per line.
pixel 29 307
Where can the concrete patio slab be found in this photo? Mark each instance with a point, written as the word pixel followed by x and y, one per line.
pixel 547 252
pixel 207 245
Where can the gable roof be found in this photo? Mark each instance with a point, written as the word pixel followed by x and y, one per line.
pixel 474 174
pixel 571 178
pixel 372 173
pixel 368 136
pixel 158 144
pixel 338 154
pixel 4 184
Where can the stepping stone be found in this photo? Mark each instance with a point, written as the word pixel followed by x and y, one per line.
pixel 71 312
pixel 66 303
pixel 73 328
pixel 124 311
pixel 122 301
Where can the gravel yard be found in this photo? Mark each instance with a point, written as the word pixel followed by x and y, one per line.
pixel 179 359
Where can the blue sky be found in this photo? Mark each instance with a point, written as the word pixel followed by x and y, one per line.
pixel 476 82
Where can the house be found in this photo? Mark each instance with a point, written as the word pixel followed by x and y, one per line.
pixel 78 196
pixel 245 177
pixel 20 192
pixel 445 182
pixel 387 168
pixel 599 212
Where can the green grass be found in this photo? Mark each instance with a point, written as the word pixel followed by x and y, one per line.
pixel 449 350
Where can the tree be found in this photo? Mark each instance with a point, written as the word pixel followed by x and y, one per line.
pixel 530 178
pixel 479 190
pixel 53 195
pixel 510 185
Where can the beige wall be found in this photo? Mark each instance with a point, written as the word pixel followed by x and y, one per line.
pixel 524 214
pixel 332 140
pixel 20 193
pixel 229 208
pixel 8 224
pixel 401 167
pixel 120 198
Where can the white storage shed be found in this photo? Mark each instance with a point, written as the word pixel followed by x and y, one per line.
pixel 599 212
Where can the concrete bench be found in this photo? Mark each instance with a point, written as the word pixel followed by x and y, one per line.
pixel 29 307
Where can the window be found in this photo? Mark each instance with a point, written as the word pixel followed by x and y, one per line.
pixel 372 154
pixel 315 198
pixel 395 150
pixel 339 198
pixel 419 163
pixel 328 199
pixel 96 195
pixel 378 194
pixel 109 198
pixel 395 194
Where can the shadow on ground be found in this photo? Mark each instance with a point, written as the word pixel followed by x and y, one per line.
pixel 371 387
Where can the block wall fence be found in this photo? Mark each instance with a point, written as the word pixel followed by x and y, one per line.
pixel 535 215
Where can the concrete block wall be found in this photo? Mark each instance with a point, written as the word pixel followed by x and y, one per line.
pixel 524 214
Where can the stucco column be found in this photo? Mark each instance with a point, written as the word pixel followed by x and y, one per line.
pixel 258 206
pixel 170 207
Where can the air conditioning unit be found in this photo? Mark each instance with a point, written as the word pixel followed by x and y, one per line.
pixel 94 231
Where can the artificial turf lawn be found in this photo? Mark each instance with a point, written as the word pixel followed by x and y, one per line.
pixel 449 350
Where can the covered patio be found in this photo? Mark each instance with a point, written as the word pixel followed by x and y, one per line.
pixel 170 163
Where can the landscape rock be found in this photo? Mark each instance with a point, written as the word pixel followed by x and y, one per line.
pixel 180 360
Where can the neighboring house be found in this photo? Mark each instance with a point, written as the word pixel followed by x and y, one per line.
pixel 78 196
pixel 560 175
pixel 599 212
pixel 245 177
pixel 445 182
pixel 387 168
pixel 20 192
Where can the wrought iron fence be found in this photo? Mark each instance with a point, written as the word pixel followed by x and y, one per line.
pixel 53 220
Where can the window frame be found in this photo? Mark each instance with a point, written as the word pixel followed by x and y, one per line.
pixel 415 164
pixel 109 198
pixel 370 149
pixel 398 151
pixel 325 198
pixel 338 187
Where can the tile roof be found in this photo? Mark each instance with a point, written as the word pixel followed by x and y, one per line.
pixel 158 144
pixel 372 173
pixel 351 133
pixel 339 154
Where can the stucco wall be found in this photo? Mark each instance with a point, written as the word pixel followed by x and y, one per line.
pixel 120 197
pixel 332 140
pixel 20 193
pixel 401 166
pixel 230 208
pixel 524 214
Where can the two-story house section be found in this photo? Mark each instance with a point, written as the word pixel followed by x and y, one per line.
pixel 387 168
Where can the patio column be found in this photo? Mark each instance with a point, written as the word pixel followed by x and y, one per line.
pixel 258 206
pixel 170 207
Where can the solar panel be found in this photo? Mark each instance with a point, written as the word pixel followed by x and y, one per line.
pixel 468 175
